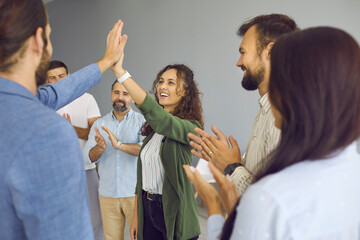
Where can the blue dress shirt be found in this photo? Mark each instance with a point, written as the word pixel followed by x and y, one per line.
pixel 308 200
pixel 117 169
pixel 43 193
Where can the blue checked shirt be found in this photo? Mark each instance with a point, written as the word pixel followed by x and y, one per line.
pixel 117 169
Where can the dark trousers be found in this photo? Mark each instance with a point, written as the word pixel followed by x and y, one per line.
pixel 154 223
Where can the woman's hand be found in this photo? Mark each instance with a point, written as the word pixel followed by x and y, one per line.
pixel 215 150
pixel 229 193
pixel 112 136
pixel 206 191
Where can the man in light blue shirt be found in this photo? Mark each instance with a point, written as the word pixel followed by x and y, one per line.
pixel 117 156
pixel 43 193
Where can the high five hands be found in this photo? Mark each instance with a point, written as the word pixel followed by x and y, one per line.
pixel 216 150
pixel 117 68
pixel 115 44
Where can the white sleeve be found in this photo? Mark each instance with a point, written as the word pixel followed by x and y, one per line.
pixel 259 216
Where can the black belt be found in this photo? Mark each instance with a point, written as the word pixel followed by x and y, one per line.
pixel 152 196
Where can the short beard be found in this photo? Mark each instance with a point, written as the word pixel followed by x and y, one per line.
pixel 40 74
pixel 251 81
pixel 120 109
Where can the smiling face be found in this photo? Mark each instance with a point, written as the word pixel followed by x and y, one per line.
pixel 170 90
pixel 250 61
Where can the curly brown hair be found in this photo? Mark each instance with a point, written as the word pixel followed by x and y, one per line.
pixel 189 106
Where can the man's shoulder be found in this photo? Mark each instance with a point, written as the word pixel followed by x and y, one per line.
pixel 82 103
pixel 37 125
pixel 104 119
pixel 82 99
pixel 50 120
pixel 138 116
pixel 87 96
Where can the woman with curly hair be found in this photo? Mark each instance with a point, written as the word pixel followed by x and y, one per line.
pixel 165 205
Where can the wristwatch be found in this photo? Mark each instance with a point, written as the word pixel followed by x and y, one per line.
pixel 231 168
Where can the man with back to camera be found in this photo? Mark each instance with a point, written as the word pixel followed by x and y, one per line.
pixel 117 157
pixel 259 35
pixel 43 188
pixel 81 113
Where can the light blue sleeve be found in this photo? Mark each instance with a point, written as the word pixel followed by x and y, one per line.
pixel 259 216
pixel 214 226
pixel 68 89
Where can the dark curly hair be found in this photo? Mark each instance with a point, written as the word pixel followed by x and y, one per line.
pixel 189 106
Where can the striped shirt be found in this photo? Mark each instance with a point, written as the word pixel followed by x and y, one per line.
pixel 152 168
pixel 264 138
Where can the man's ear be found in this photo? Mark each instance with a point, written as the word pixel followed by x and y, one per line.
pixel 269 48
pixel 39 42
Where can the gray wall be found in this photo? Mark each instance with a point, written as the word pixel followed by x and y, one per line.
pixel 199 33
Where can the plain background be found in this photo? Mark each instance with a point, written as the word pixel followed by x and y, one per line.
pixel 198 33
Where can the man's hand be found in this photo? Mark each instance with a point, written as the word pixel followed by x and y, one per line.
pixel 215 150
pixel 134 225
pixel 99 139
pixel 207 192
pixel 112 136
pixel 115 44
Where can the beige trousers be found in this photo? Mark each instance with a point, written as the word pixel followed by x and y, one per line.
pixel 114 211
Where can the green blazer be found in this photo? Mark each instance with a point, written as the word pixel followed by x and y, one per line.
pixel 180 211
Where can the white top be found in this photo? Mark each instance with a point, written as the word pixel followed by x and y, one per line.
pixel 263 140
pixel 80 110
pixel 152 168
pixel 311 200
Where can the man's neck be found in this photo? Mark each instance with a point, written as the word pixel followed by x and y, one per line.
pixel 263 87
pixel 23 76
pixel 121 115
